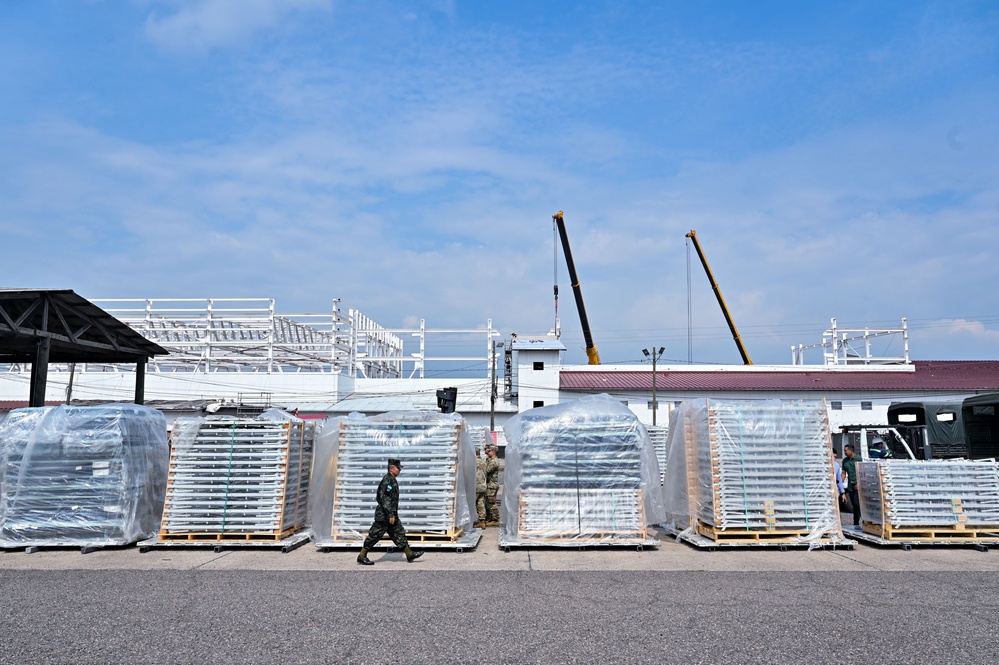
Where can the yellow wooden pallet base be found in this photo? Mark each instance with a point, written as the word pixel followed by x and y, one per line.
pixel 776 536
pixel 221 537
pixel 956 532
pixel 415 537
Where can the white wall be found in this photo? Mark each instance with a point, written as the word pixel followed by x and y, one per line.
pixel 537 385
pixel 177 386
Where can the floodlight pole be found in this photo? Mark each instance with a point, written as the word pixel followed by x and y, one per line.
pixel 655 354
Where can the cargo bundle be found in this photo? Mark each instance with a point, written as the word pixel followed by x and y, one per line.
pixel 85 476
pixel 238 479
pixel 752 472
pixel 579 473
pixel 930 500
pixel 437 499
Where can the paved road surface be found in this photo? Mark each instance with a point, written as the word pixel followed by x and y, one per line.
pixel 670 604
pixel 413 615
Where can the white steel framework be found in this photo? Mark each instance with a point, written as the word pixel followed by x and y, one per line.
pixel 419 359
pixel 855 346
pixel 247 335
pixel 212 335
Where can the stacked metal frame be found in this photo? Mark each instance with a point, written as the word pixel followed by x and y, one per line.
pixel 81 476
pixel 930 500
pixel 437 482
pixel 753 472
pixel 238 479
pixel 658 435
pixel 480 437
pixel 579 473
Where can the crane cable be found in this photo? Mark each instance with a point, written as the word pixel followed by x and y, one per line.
pixel 555 271
pixel 690 320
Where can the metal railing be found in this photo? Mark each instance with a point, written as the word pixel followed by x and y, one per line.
pixel 856 346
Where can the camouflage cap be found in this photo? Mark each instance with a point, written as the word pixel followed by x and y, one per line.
pixel 396 463
pixel 491 448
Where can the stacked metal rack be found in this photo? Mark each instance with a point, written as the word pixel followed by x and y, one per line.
pixel 479 436
pixel 81 476
pixel 578 474
pixel 930 501
pixel 658 435
pixel 754 472
pixel 437 481
pixel 238 480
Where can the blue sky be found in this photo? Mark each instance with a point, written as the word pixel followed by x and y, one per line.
pixel 836 159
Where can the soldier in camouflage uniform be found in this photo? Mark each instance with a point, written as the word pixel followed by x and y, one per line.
pixel 480 489
pixel 492 468
pixel 387 518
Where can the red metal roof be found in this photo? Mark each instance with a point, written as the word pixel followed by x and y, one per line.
pixel 928 375
pixel 11 404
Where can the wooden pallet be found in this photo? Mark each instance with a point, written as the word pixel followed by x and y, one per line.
pixel 447 537
pixel 195 536
pixel 951 533
pixel 417 537
pixel 774 536
pixel 584 539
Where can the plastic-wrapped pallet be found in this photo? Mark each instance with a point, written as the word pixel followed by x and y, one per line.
pixel 929 499
pixel 437 497
pixel 81 476
pixel 238 479
pixel 579 473
pixel 753 472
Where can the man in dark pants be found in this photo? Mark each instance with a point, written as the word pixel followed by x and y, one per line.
pixel 850 467
pixel 387 518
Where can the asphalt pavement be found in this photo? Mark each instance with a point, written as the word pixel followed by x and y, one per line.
pixel 670 604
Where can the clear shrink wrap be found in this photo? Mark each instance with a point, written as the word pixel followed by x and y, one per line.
pixel 580 472
pixel 437 483
pixel 753 472
pixel 81 475
pixel 238 478
pixel 935 495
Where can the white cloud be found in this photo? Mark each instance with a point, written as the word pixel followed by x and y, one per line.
pixel 200 25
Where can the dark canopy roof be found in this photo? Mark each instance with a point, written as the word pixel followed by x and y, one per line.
pixel 79 330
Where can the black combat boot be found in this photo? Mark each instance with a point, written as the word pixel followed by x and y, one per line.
pixel 412 556
pixel 363 559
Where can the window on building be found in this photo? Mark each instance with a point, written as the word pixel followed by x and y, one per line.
pixel 836 406
pixel 625 402
pixel 539 365
pixel 867 406
pixel 946 417
pixel 653 406
pixel 538 402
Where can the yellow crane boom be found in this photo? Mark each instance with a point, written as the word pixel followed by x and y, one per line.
pixel 721 301
pixel 592 356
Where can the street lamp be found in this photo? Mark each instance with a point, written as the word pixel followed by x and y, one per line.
pixel 654 355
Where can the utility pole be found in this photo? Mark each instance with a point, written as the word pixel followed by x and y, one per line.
pixel 654 355
pixel 69 387
pixel 492 393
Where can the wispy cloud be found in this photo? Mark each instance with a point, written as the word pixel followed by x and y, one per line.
pixel 200 25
